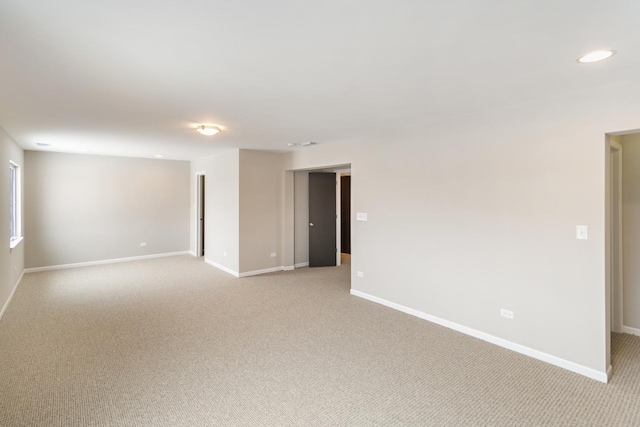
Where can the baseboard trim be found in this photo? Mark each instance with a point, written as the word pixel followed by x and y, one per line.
pixel 222 267
pixel 301 264
pixel 106 261
pixel 630 330
pixel 527 351
pixel 248 273
pixel 192 253
pixel 15 287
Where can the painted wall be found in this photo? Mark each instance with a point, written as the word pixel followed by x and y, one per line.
pixel 301 200
pixel 631 229
pixel 222 209
pixel 261 210
pixel 11 261
pixel 83 208
pixel 473 215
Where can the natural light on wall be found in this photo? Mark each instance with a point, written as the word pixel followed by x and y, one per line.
pixel 15 205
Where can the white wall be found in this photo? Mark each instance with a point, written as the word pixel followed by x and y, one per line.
pixel 476 214
pixel 11 261
pixel 631 229
pixel 83 208
pixel 222 209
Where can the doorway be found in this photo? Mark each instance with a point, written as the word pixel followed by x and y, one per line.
pixel 616 256
pixel 200 214
pixel 299 194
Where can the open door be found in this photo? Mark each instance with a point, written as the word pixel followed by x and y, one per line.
pixel 200 215
pixel 322 219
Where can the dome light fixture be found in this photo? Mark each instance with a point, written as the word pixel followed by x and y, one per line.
pixel 208 130
pixel 595 56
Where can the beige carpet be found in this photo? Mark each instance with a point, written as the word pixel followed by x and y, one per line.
pixel 175 342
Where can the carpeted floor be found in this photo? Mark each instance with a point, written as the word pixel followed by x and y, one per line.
pixel 175 342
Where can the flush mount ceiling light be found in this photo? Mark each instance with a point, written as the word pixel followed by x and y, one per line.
pixel 596 56
pixel 301 144
pixel 208 130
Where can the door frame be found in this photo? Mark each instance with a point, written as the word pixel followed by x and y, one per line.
pixel 199 207
pixel 616 246
pixel 290 216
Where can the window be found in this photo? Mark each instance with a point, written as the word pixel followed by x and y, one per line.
pixel 15 233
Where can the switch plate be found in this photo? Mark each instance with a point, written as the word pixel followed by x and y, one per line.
pixel 143 244
pixel 361 216
pixel 273 254
pixel 506 313
pixel 581 232
pixel 359 274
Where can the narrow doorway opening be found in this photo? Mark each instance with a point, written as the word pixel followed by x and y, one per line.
pixel 345 218
pixel 200 214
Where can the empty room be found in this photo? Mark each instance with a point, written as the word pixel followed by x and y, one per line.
pixel 352 213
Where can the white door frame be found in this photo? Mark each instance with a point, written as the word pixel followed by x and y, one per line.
pixel 616 254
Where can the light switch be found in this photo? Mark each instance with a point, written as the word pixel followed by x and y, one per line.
pixel 361 216
pixel 581 232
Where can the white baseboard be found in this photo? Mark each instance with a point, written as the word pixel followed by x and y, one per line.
pixel 527 351
pixel 301 264
pixel 6 304
pixel 106 261
pixel 630 330
pixel 221 267
pixel 192 253
pixel 248 273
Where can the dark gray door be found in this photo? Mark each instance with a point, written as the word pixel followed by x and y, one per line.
pixel 345 214
pixel 322 219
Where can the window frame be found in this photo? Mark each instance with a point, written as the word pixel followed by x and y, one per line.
pixel 15 205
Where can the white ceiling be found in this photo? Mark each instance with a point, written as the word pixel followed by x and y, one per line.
pixel 134 77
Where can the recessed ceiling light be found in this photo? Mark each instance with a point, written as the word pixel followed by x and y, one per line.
pixel 596 56
pixel 208 130
pixel 159 156
pixel 42 144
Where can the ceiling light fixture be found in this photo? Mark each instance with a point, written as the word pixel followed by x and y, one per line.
pixel 596 56
pixel 208 130
pixel 301 144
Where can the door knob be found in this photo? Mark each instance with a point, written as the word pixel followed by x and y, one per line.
pixel 311 224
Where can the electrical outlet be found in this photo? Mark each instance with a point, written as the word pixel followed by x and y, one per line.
pixel 581 232
pixel 143 244
pixel 506 313
pixel 273 254
pixel 359 274
pixel 224 253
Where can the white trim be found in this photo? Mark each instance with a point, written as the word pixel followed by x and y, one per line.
pixel 106 261
pixel 630 330
pixel 192 253
pixel 527 351
pixel 221 267
pixel 249 273
pixel 301 264
pixel 6 305
pixel 263 271
pixel 14 242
